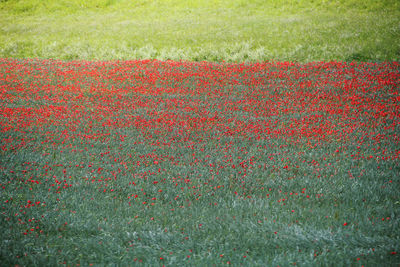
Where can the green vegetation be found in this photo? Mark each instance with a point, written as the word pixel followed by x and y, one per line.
pixel 183 163
pixel 196 164
pixel 246 30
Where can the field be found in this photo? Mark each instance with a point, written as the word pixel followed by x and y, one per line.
pixel 183 163
pixel 199 133
pixel 196 30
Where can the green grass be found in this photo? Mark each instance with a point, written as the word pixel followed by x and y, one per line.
pixel 83 225
pixel 247 30
pixel 338 203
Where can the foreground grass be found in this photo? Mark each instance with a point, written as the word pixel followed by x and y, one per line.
pixel 201 30
pixel 198 164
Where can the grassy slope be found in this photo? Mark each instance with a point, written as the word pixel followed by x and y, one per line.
pixel 201 30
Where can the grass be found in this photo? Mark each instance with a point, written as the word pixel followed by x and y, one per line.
pixel 198 164
pixel 179 163
pixel 237 31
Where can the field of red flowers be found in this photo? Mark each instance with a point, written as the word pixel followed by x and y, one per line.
pixel 182 163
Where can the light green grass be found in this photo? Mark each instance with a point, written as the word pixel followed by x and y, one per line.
pixel 201 30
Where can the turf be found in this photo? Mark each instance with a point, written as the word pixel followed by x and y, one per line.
pixel 233 31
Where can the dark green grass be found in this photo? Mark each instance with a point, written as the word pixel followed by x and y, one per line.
pixel 326 218
pixel 234 31
pixel 102 229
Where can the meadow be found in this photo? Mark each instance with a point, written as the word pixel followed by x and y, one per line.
pixel 184 163
pixel 199 133
pixel 211 30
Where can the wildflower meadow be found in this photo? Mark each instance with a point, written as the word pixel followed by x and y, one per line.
pixel 195 163
pixel 199 133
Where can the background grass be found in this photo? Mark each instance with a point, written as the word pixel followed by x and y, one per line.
pixel 245 30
